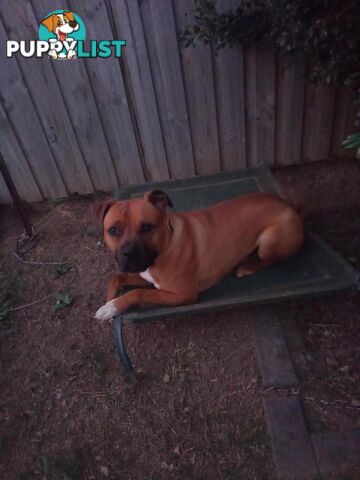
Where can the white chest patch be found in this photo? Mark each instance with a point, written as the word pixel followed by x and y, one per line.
pixel 146 276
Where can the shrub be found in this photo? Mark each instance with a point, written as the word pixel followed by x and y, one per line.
pixel 325 32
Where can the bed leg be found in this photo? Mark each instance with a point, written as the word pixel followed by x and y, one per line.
pixel 121 350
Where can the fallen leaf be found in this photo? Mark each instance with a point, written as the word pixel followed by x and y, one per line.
pixel 104 471
pixel 345 369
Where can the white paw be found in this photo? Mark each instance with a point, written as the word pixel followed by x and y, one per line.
pixel 53 54
pixel 107 311
pixel 71 54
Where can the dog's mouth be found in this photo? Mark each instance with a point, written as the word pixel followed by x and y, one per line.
pixel 132 267
pixel 135 265
pixel 62 36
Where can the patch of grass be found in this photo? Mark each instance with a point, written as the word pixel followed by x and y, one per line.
pixel 96 362
pixel 4 309
pixel 62 269
pixel 73 197
pixel 42 378
pixel 63 299
pixel 11 286
pixel 71 468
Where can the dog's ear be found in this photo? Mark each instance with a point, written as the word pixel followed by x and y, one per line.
pixel 159 199
pixel 100 209
pixel 49 22
pixel 70 16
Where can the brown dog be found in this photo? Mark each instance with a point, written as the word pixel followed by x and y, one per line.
pixel 182 254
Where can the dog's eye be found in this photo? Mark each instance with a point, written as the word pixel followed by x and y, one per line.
pixel 114 231
pixel 59 22
pixel 146 227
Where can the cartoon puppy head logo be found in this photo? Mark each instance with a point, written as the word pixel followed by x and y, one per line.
pixel 62 29
pixel 61 24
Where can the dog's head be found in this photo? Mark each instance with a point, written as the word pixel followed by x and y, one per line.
pixel 61 24
pixel 136 230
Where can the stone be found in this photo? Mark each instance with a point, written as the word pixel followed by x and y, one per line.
pixel 290 441
pixel 272 352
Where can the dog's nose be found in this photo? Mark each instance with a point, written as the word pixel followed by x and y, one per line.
pixel 128 250
pixel 73 23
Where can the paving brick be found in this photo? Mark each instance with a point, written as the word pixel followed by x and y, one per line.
pixel 336 451
pixel 272 352
pixel 290 441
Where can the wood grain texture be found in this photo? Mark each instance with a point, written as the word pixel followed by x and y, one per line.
pixel 200 95
pixel 260 104
pixel 39 78
pixel 127 18
pixel 5 197
pixel 16 162
pixel 290 98
pixel 163 48
pixel 160 111
pixel 319 111
pixel 230 100
pixel 77 93
pixel 25 121
pixel 108 87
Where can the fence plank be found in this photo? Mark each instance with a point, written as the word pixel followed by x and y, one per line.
pixel 127 19
pixel 5 197
pixel 107 82
pixel 319 109
pixel 290 97
pixel 16 162
pixel 162 43
pixel 260 104
pixel 230 96
pixel 23 116
pixel 344 123
pixel 200 95
pixel 79 99
pixel 160 111
pixel 39 77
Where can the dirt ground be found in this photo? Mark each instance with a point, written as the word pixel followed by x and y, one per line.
pixel 329 367
pixel 66 412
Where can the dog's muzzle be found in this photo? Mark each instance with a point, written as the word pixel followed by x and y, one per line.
pixel 132 259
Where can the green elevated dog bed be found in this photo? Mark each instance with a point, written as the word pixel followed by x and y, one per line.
pixel 315 270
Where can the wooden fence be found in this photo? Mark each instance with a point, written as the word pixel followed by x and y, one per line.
pixel 160 111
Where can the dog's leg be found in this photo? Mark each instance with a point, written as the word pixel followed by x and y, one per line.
pixel 122 280
pixel 141 297
pixel 275 243
pixel 251 267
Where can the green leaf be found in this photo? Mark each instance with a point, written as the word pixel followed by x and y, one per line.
pixel 62 269
pixel 63 299
pixel 352 141
pixel 4 309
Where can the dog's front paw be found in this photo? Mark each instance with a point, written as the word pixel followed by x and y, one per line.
pixel 107 311
pixel 53 54
pixel 71 54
